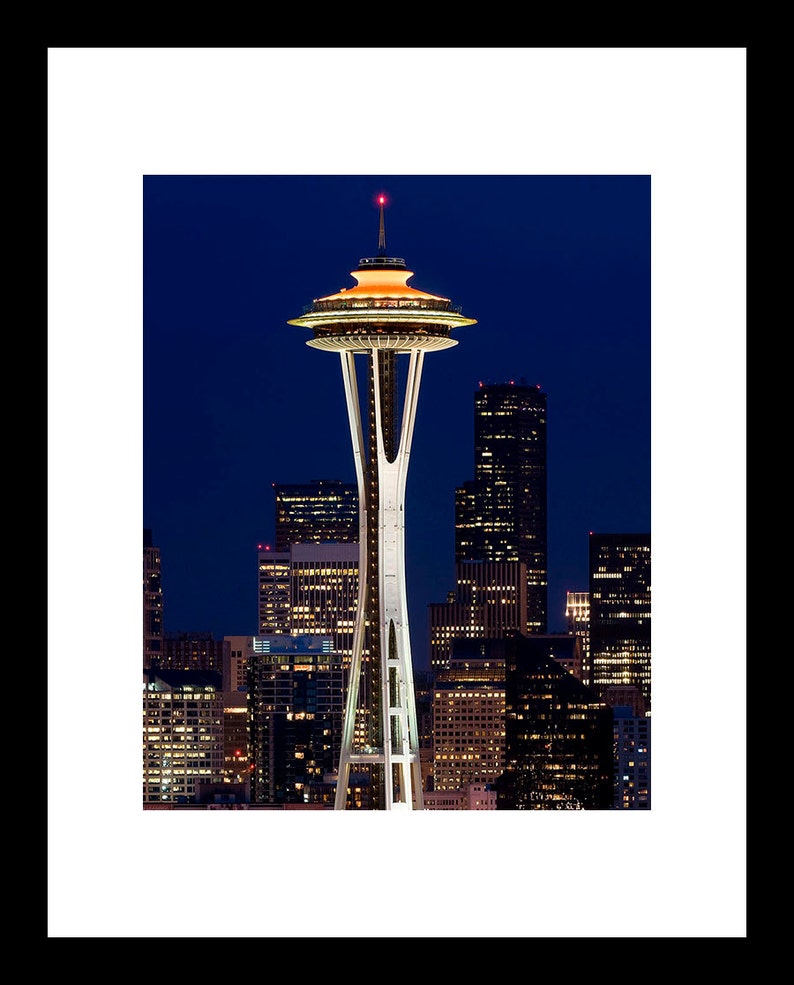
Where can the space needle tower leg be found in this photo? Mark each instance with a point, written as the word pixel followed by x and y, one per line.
pixel 393 748
pixel 356 663
pixel 402 771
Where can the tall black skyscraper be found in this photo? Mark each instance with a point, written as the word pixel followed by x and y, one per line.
pixel 502 514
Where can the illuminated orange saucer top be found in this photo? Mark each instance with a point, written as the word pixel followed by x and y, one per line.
pixel 381 283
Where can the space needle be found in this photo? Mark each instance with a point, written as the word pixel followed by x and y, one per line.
pixel 381 319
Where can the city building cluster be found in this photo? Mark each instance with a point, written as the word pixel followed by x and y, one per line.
pixel 509 716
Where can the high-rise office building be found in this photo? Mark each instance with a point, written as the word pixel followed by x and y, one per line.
pixel 183 735
pixel 194 651
pixel 632 759
pixel 235 672
pixel 382 319
pixel 318 512
pixel 274 591
pixel 469 706
pixel 468 719
pixel 152 602
pixel 311 589
pixel 501 515
pixel 236 744
pixel 236 753
pixel 490 598
pixel 577 621
pixel 559 743
pixel 324 588
pixel 296 707
pixel 620 612
pixel 308 592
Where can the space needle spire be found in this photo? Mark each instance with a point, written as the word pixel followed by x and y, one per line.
pixel 382 228
pixel 380 320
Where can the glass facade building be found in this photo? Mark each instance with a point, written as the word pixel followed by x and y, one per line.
pixel 502 515
pixel 318 512
pixel 296 708
pixel 310 590
pixel 620 612
pixel 632 759
pixel 559 743
pixel 490 597
pixel 468 722
pixel 194 652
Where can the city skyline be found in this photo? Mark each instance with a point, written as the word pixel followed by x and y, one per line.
pixel 677 114
pixel 556 271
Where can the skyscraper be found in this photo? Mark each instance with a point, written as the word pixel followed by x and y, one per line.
pixel 310 589
pixel 468 718
pixel 501 515
pixel 318 512
pixel 183 734
pixel 193 651
pixel 274 591
pixel 620 612
pixel 381 319
pixel 490 598
pixel 559 744
pixel 577 620
pixel 632 759
pixel 152 602
pixel 296 704
pixel 235 670
pixel 236 758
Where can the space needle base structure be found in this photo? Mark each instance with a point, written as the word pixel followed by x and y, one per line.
pixel 381 319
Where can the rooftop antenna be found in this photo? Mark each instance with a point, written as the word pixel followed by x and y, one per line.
pixel 382 230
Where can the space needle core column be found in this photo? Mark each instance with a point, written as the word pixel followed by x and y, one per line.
pixel 381 318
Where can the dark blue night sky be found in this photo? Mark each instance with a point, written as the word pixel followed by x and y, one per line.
pixel 555 269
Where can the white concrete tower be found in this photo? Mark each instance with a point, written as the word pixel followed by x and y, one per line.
pixel 381 319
